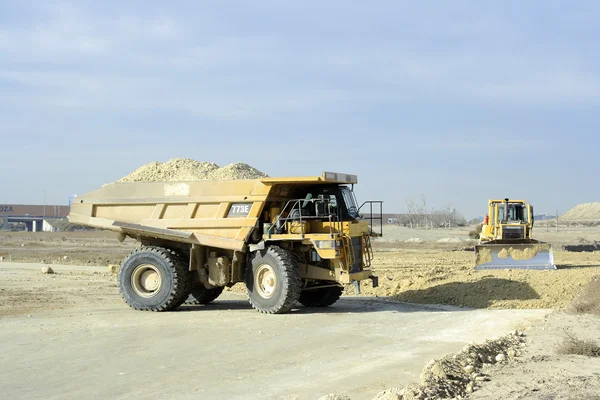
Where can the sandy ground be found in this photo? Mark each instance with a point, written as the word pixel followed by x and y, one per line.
pixel 454 236
pixel 74 324
pixel 447 277
pixel 542 373
pixel 362 345
pixel 431 272
pixel 81 248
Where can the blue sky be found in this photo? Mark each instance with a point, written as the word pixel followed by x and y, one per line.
pixel 459 100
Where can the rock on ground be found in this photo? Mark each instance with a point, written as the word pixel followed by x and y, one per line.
pixel 457 374
pixel 334 396
pixel 390 394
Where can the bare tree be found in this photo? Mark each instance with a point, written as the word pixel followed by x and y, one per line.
pixel 419 215
pixel 423 212
pixel 411 210
pixel 438 218
pixel 449 214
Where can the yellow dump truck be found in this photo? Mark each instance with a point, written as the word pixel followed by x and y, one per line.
pixel 289 239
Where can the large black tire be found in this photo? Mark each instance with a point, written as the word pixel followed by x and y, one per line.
pixel 201 295
pixel 154 279
pixel 320 297
pixel 273 281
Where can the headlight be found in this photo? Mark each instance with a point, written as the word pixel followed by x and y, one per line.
pixel 328 244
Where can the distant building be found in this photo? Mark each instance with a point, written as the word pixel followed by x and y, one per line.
pixel 19 210
pixel 32 216
pixel 55 224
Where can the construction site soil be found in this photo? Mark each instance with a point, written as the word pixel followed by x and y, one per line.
pixel 459 304
pixel 427 273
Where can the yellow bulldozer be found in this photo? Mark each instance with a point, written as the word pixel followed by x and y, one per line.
pixel 506 239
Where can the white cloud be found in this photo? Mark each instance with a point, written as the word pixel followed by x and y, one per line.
pixel 155 61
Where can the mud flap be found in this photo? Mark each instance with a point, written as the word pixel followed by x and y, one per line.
pixel 356 285
pixel 375 281
pixel 514 256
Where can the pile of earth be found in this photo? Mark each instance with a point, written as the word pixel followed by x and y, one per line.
pixel 448 278
pixel 583 212
pixel 185 169
pixel 458 375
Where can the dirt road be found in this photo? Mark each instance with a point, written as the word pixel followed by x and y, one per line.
pixel 542 373
pixel 69 335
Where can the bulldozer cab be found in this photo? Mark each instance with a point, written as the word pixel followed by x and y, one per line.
pixel 508 220
pixel 513 212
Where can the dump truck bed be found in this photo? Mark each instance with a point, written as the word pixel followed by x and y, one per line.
pixel 211 213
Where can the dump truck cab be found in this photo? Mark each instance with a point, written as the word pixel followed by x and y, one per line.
pixel 322 223
pixel 298 239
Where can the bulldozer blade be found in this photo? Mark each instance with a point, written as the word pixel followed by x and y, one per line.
pixel 514 256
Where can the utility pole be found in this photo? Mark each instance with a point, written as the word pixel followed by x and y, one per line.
pixel 44 203
pixel 556 220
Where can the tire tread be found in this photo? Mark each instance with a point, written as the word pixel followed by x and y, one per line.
pixel 181 281
pixel 292 280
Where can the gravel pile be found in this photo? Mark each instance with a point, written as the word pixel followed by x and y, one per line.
pixel 458 375
pixel 185 169
pixel 582 212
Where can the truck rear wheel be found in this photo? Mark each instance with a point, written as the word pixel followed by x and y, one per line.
pixel 320 297
pixel 273 281
pixel 153 279
pixel 201 295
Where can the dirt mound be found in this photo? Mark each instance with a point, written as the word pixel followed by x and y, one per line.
pixel 582 212
pixel 460 374
pixel 442 277
pixel 185 169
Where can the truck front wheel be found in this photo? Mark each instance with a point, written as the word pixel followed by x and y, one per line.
pixel 153 279
pixel 273 281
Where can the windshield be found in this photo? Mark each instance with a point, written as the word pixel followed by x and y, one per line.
pixel 516 212
pixel 350 201
pixel 320 201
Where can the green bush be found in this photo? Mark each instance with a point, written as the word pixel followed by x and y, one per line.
pixel 474 234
